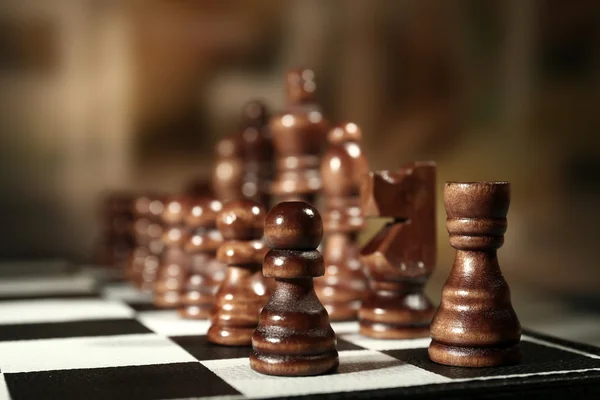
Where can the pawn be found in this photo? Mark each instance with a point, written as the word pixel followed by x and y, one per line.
pixel 174 260
pixel 148 229
pixel 243 291
pixel 205 273
pixel 117 242
pixel 294 337
pixel 343 168
pixel 476 325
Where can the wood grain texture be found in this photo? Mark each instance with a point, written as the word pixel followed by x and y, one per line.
pixel 401 256
pixel 343 168
pixel 243 292
pixel 476 325
pixel 294 336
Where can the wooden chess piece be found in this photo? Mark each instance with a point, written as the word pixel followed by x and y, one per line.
pixel 293 337
pixel 174 260
pixel 475 325
pixel 401 256
pixel 257 152
pixel 117 242
pixel 147 228
pixel 243 292
pixel 228 170
pixel 343 167
pixel 298 135
pixel 205 272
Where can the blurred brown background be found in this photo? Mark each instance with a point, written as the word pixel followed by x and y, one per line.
pixel 97 95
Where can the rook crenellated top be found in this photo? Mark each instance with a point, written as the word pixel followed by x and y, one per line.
pixel 476 214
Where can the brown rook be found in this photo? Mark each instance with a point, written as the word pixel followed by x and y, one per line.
pixel 294 337
pixel 243 291
pixel 343 168
pixel 401 256
pixel 205 272
pixel 298 134
pixel 476 325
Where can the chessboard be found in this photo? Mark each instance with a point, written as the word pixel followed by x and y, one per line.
pixel 76 337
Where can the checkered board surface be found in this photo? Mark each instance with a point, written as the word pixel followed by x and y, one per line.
pixel 69 338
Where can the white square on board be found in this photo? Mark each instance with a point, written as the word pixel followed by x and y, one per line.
pixel 381 345
pixel 359 370
pixel 126 292
pixel 169 323
pixel 41 311
pixel 50 285
pixel 89 352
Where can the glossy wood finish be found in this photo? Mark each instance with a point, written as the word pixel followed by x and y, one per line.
pixel 343 168
pixel 257 152
pixel 147 230
pixel 205 273
pixel 298 136
pixel 293 337
pixel 228 170
pixel 175 262
pixel 243 292
pixel 401 256
pixel 475 325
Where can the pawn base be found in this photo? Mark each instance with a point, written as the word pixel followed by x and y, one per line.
pixel 228 336
pixel 272 364
pixel 400 316
pixel 474 356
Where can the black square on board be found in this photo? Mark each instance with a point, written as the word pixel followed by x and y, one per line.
pixel 54 330
pixel 52 296
pixel 163 381
pixel 201 349
pixel 343 345
pixel 537 358
pixel 141 306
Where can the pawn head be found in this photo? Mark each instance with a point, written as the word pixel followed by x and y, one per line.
pixel 241 220
pixel 343 133
pixel 174 210
pixel 293 225
pixel 202 212
pixel 255 114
